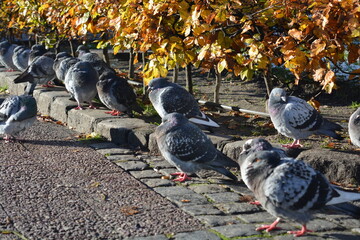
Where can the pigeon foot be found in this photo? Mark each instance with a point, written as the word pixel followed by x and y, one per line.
pixel 182 177
pixel 9 139
pixel 270 227
pixel 301 232
pixel 257 203
pixel 78 108
pixel 293 145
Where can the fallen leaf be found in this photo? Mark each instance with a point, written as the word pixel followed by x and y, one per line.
pixel 185 200
pixel 246 198
pixel 129 210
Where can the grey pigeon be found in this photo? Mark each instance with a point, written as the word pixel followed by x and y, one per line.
pixel 17 113
pixel 40 71
pixel 21 58
pixel 36 51
pixel 168 97
pixel 289 189
pixel 99 64
pixel 354 128
pixel 185 146
pixel 80 81
pixel 63 62
pixel 295 118
pixel 116 94
pixel 6 54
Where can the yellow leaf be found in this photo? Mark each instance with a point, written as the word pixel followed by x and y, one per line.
pixel 319 74
pixel 221 65
pixel 315 104
pixel 116 49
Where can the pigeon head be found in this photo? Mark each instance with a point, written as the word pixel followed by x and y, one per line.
pixel 174 119
pixel 62 55
pixel 38 47
pixel 260 162
pixel 357 117
pixel 107 75
pixel 255 145
pixel 158 83
pixel 278 95
pixel 82 49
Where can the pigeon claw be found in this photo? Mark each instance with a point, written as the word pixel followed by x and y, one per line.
pixel 301 232
pixel 294 144
pixel 78 108
pixel 257 203
pixel 270 227
pixel 182 177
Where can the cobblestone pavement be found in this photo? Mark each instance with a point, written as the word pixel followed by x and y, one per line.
pixel 55 187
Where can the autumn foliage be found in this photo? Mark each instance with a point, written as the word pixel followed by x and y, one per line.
pixel 306 36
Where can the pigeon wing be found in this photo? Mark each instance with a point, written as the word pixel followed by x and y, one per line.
pixel 177 99
pixel 295 185
pixel 301 116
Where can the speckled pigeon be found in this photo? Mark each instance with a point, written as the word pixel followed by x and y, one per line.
pixel 295 118
pixel 168 97
pixel 354 128
pixel 36 51
pixel 6 54
pixel 17 113
pixel 289 189
pixel 21 57
pixel 40 71
pixel 186 147
pixel 116 94
pixel 99 64
pixel 80 81
pixel 63 62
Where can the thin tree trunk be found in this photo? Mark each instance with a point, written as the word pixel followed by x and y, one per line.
pixel 131 63
pixel 189 83
pixel 106 56
pixel 72 50
pixel 143 67
pixel 176 74
pixel 268 82
pixel 217 85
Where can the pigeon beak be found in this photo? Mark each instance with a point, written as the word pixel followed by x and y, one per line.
pixel 283 98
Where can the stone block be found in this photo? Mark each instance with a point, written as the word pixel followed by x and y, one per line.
pixel 337 166
pixel 84 121
pixel 60 107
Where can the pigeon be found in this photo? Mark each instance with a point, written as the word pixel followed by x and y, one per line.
pixel 99 64
pixel 289 189
pixel 63 61
pixel 21 57
pixel 168 97
pixel 80 81
pixel 36 51
pixel 40 71
pixel 6 54
pixel 17 113
pixel 185 146
pixel 354 128
pixel 116 94
pixel 295 118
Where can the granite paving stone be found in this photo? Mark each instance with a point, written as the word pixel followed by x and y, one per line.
pixel 103 145
pixel 218 220
pixel 155 237
pixel 131 165
pixel 117 157
pixel 116 151
pixel 203 209
pixel 197 235
pixel 208 188
pixel 319 225
pixel 148 173
pixel 223 197
pixel 235 207
pixel 158 182
pixel 256 217
pixel 236 230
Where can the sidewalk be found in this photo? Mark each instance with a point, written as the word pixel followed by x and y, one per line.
pixel 55 187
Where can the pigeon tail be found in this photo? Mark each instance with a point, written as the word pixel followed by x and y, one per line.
pixel 224 172
pixel 328 128
pixel 344 196
pixel 347 208
pixel 29 89
pixel 24 77
pixel 203 120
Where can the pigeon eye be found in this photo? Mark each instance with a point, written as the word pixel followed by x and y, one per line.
pixel 257 160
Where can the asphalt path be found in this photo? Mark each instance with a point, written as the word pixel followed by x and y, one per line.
pixel 53 186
